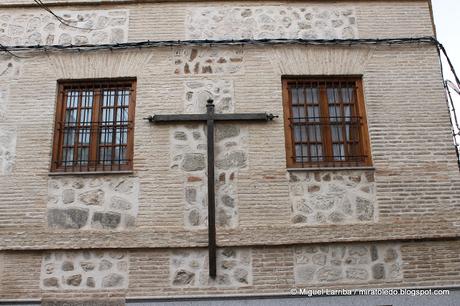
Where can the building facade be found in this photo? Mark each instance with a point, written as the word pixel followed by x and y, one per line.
pixel 355 185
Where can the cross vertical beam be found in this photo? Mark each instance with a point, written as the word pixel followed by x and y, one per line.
pixel 212 247
pixel 210 118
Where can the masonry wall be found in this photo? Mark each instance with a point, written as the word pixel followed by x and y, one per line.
pixel 144 233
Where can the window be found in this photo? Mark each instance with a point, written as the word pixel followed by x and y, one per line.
pixel 325 122
pixel 94 126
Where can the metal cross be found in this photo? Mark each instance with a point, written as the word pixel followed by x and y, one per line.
pixel 209 118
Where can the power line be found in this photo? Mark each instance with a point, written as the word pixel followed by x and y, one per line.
pixel 59 18
pixel 228 42
pixel 443 50
pixel 5 49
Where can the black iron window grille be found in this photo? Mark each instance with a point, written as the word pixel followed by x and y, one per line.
pixel 94 126
pixel 325 123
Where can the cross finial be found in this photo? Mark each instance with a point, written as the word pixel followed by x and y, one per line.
pixel 210 106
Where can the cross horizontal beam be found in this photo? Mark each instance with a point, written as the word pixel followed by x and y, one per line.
pixel 215 117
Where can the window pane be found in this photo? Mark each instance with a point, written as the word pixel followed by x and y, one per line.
pixel 312 95
pixel 106 135
pixel 105 156
pixel 108 98
pixel 122 115
pixel 83 155
pixel 338 151
pixel 123 98
pixel 313 114
pixel 120 154
pixel 336 131
pixel 316 152
pixel 301 153
pixel 71 116
pixel 300 133
pixel 334 113
pixel 314 133
pixel 298 113
pixel 68 156
pixel 107 115
pixel 72 99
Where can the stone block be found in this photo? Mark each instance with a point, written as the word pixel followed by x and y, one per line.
pixel 37 28
pixel 183 278
pixel 68 196
pixel 120 203
pixel 345 263
pixel 378 271
pixel 99 270
pixel 193 162
pixel 226 131
pixel 111 202
pixel 271 22
pixel 332 197
pixel 108 220
pixel 92 197
pixel 236 159
pixel 188 268
pixel 112 280
pixel 71 218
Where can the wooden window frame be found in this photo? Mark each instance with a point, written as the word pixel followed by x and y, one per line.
pixel 364 143
pixel 58 138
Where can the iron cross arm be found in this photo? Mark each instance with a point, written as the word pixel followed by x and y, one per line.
pixel 215 117
pixel 209 118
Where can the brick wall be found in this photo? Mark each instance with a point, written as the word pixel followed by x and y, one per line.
pixel 415 178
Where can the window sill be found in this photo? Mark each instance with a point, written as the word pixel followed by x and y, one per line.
pixel 91 173
pixel 369 168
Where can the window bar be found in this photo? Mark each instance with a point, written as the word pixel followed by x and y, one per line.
pixel 317 122
pixel 120 119
pixel 60 155
pixel 305 120
pixel 114 127
pixel 298 121
pixel 103 126
pixel 357 125
pixel 95 124
pixel 354 125
pixel 336 123
pixel 65 131
pixel 312 125
pixel 344 123
pixel 99 126
pixel 121 155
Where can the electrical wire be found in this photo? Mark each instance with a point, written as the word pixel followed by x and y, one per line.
pixel 59 18
pixel 443 50
pixel 227 42
pixel 5 49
